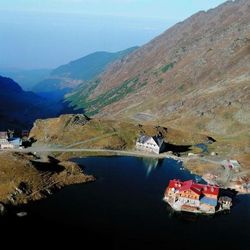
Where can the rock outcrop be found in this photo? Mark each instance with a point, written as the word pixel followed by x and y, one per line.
pixel 27 177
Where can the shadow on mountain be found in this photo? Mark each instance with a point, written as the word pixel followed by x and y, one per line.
pixel 55 96
pixel 19 109
pixel 67 109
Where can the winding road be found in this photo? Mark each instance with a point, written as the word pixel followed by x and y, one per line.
pixel 42 149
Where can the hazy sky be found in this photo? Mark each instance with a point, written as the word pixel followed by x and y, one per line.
pixel 48 33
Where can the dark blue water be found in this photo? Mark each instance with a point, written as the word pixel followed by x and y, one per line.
pixel 123 209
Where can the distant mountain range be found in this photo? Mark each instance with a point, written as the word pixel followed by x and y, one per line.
pixel 194 76
pixel 66 77
pixel 19 109
pixel 90 66
pixel 26 78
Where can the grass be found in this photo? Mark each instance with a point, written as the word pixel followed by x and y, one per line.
pixel 93 106
pixel 167 67
pixel 17 168
pixel 160 80
pixel 81 97
pixel 181 88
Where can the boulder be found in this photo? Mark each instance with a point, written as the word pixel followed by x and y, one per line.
pixel 2 209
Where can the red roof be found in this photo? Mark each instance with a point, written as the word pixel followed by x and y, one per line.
pixel 196 190
pixel 211 190
pixel 195 187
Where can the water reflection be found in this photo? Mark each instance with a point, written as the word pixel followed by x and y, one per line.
pixel 123 205
pixel 193 217
pixel 151 164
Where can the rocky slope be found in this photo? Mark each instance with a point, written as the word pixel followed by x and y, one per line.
pixel 195 76
pixel 26 177
pixel 79 131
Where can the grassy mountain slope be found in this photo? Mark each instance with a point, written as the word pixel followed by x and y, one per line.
pixel 69 76
pixel 194 77
pixel 88 67
pixel 196 74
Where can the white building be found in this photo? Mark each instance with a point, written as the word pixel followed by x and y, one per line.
pixel 6 145
pixel 153 144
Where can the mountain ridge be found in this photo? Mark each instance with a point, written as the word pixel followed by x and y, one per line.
pixel 26 78
pixel 19 109
pixel 197 71
pixel 91 65
pixel 68 76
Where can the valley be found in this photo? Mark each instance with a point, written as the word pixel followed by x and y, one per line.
pixel 190 85
pixel 125 124
pixel 77 135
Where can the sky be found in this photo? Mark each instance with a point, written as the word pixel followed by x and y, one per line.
pixel 48 33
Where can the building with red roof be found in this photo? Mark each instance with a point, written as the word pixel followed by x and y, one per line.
pixel 183 194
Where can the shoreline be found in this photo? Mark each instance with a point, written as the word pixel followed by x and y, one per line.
pixel 27 178
pixel 102 153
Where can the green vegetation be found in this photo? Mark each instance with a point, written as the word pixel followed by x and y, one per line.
pixel 81 99
pixel 156 73
pixel 160 80
pixel 143 83
pixel 227 115
pixel 85 69
pixel 167 67
pixel 181 87
pixel 88 67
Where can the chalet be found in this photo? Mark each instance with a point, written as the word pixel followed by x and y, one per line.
pixel 192 196
pixel 153 144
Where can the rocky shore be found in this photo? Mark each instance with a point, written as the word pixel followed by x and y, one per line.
pixel 26 177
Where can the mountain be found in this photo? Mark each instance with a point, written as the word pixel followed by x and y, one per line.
pixel 194 76
pixel 68 76
pixel 88 67
pixel 19 109
pixel 26 78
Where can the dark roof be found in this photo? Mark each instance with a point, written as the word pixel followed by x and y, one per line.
pixel 143 138
pixel 158 140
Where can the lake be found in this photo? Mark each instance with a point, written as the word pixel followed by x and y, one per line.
pixel 123 209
